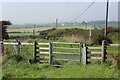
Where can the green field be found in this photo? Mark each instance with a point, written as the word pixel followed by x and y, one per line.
pixel 24 69
pixel 23 34
pixel 69 34
pixel 70 70
pixel 45 28
pixel 27 29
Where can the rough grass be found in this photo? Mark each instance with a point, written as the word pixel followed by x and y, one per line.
pixel 73 34
pixel 114 36
pixel 70 70
pixel 45 28
pixel 0 73
pixel 23 68
pixel 13 68
pixel 27 29
pixel 73 38
pixel 23 34
pixel 0 66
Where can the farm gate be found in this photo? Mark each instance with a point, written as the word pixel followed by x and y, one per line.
pixel 42 52
pixel 90 53
pixel 63 51
pixel 56 51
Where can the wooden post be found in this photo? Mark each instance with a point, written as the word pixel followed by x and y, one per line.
pixel 107 9
pixel 18 48
pixel 103 51
pixel 80 52
pixel 90 36
pixel 84 55
pixel 56 23
pixel 34 32
pixel 51 54
pixel 2 49
pixel 35 52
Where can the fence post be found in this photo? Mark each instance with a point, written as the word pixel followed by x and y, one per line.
pixel 103 51
pixel 51 53
pixel 80 51
pixel 84 55
pixel 35 48
pixel 17 47
pixel 1 49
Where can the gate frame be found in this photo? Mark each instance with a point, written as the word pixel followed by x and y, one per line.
pixel 85 53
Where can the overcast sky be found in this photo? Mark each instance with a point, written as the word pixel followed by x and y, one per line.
pixel 47 12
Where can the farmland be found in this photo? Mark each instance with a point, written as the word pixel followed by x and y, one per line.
pixel 59 40
pixel 45 28
pixel 27 69
pixel 11 67
pixel 71 34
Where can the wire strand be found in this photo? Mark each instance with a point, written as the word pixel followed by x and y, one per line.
pixel 84 11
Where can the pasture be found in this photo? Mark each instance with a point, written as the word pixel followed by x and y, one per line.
pixel 23 34
pixel 29 30
pixel 23 67
pixel 26 69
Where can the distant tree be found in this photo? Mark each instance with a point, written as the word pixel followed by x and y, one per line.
pixel 4 29
pixel 84 23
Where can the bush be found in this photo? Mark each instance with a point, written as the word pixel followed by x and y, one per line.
pixel 109 30
pixel 100 38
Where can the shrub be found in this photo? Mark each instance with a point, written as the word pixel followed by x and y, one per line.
pixel 109 30
pixel 100 38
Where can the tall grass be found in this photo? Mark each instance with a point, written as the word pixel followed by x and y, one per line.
pixel 74 38
pixel 70 70
pixel 12 68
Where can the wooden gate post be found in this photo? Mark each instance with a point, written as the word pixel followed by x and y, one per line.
pixel 84 55
pixel 51 53
pixel 18 48
pixel 35 49
pixel 80 51
pixel 2 49
pixel 104 51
